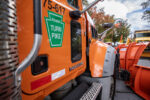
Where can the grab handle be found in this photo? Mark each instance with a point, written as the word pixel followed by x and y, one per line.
pixel 36 45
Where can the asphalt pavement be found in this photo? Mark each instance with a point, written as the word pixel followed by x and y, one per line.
pixel 125 93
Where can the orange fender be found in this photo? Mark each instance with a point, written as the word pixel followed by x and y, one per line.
pixel 97 52
pixel 102 59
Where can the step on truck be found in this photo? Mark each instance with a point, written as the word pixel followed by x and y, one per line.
pixel 49 50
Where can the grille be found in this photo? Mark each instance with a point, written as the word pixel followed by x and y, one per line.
pixel 8 50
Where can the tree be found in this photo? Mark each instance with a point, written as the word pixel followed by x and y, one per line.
pixel 146 14
pixel 99 17
pixel 116 35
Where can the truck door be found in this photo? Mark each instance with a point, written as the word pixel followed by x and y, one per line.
pixel 62 55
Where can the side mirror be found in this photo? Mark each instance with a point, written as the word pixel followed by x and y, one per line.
pixel 117 24
pixel 107 25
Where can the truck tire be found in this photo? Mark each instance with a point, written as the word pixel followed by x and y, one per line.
pixel 8 50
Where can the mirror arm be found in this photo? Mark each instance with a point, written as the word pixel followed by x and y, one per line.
pixel 91 5
pixel 76 14
pixel 103 34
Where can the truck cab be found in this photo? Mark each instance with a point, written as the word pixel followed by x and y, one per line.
pixel 65 41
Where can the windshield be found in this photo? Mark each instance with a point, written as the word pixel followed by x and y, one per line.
pixel 143 35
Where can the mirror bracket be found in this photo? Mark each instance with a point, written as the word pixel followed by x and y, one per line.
pixel 76 14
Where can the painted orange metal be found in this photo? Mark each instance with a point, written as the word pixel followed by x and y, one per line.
pixel 132 56
pixel 134 52
pixel 97 57
pixel 97 53
pixel 142 82
pixel 58 58
pixel 122 50
pixel 36 87
pixel 139 75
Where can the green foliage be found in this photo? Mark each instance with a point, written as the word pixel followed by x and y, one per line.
pixel 116 34
pixel 99 17
pixel 146 14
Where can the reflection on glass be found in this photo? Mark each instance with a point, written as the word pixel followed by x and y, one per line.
pixel 76 46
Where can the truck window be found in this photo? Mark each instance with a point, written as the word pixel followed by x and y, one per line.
pixel 74 3
pixel 40 65
pixel 94 32
pixel 142 34
pixel 76 46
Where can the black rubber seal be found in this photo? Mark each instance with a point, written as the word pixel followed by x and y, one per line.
pixel 37 17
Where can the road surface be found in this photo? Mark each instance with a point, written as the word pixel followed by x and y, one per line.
pixel 124 93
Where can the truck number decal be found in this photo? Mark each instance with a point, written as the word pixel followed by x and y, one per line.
pixel 56 7
pixel 55 29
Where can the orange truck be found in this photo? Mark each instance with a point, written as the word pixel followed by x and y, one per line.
pixel 49 51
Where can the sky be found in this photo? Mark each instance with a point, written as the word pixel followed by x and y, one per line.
pixel 129 10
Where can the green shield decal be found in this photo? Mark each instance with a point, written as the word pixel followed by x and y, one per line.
pixel 55 29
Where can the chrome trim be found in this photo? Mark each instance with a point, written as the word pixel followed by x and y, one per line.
pixel 9 59
pixel 29 59
pixel 103 34
pixel 76 66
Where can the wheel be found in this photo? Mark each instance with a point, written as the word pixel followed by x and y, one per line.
pixel 8 50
